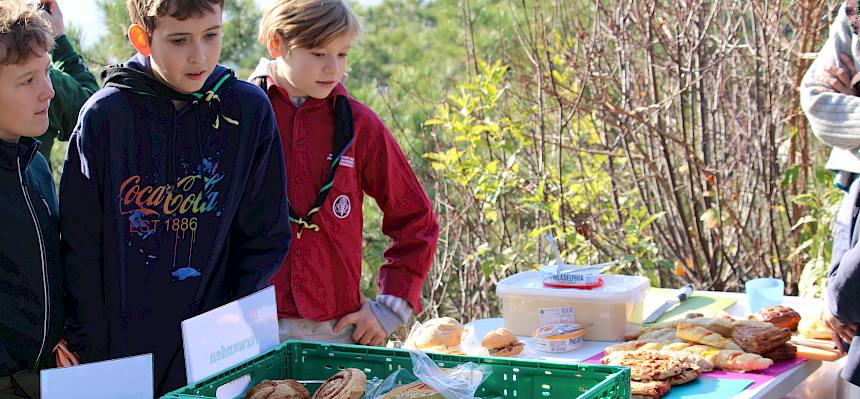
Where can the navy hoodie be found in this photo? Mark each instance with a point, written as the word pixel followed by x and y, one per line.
pixel 166 214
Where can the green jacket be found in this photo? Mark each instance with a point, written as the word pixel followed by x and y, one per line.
pixel 73 84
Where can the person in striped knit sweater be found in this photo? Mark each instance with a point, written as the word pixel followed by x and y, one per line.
pixel 829 98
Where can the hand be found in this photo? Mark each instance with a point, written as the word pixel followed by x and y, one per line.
pixel 838 79
pixel 55 17
pixel 368 331
pixel 63 356
pixel 841 332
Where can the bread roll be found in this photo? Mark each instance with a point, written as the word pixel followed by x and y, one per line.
pixel 442 331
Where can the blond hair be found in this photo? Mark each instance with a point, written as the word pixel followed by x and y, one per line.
pixel 144 12
pixel 307 23
pixel 23 32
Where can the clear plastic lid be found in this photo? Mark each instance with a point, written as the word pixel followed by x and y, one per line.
pixel 615 287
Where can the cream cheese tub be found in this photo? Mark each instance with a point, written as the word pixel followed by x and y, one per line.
pixel 612 308
pixel 559 337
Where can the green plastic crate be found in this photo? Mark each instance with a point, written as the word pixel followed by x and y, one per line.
pixel 511 378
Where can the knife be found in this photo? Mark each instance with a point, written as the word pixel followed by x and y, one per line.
pixel 682 296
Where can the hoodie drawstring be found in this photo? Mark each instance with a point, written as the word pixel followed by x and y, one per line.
pixel 211 98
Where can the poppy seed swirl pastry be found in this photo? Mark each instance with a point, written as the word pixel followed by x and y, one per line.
pixel 346 384
pixel 278 389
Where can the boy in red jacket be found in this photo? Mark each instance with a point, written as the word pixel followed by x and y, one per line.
pixel 337 149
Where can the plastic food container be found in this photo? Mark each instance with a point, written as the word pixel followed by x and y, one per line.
pixel 559 337
pixel 612 308
pixel 317 361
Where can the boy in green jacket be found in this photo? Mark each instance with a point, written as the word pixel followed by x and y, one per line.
pixel 72 81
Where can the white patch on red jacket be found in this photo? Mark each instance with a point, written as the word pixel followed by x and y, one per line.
pixel 341 206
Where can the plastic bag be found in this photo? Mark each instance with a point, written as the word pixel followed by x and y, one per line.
pixel 470 342
pixel 376 387
pixel 459 382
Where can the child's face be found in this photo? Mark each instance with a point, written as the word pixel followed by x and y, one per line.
pixel 185 52
pixel 313 72
pixel 25 94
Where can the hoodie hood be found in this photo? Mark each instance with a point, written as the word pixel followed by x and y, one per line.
pixel 136 75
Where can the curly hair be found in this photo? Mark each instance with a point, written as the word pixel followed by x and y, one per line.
pixel 24 32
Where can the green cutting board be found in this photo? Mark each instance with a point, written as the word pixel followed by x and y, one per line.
pixel 699 302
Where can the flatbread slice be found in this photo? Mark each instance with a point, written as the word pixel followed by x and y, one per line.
pixel 646 365
pixel 649 390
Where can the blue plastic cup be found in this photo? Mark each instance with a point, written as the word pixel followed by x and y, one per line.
pixel 764 292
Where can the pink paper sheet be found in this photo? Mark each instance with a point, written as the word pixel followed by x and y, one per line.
pixel 758 377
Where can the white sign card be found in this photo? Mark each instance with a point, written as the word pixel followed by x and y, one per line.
pixel 226 336
pixel 126 378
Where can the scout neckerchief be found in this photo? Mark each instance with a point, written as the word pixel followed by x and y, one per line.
pixel 122 77
pixel 344 136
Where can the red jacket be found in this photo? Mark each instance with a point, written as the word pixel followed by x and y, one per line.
pixel 320 277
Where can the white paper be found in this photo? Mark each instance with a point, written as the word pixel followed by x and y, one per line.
pixel 126 378
pixel 224 337
pixel 557 315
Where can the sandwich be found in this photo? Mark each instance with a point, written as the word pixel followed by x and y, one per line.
pixel 502 342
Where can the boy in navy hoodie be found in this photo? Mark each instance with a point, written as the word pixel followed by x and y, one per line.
pixel 173 194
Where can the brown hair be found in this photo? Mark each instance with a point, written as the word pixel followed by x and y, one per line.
pixel 144 12
pixel 23 32
pixel 307 23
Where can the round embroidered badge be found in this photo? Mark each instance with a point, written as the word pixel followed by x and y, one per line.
pixel 341 206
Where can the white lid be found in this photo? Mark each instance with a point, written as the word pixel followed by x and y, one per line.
pixel 615 287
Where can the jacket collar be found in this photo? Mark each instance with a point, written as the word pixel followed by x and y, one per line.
pixel 265 69
pixel 24 150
